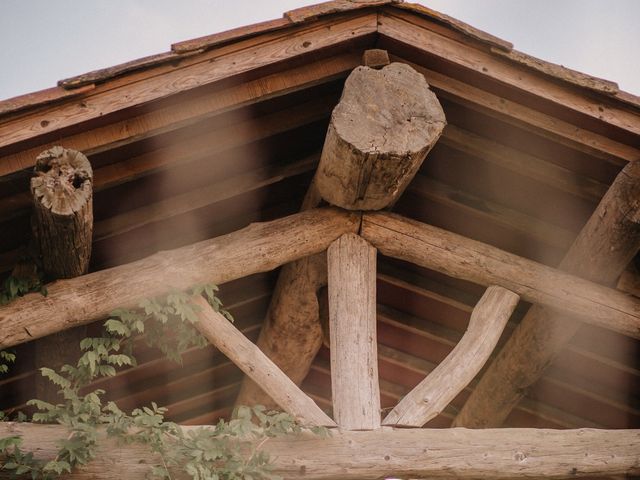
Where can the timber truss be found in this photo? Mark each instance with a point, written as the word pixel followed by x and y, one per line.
pixel 362 445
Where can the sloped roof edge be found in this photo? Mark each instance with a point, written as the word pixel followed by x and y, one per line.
pixel 79 84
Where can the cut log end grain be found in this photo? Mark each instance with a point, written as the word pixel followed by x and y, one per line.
pixel 380 132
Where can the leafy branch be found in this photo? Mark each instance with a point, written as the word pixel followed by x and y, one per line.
pixel 215 453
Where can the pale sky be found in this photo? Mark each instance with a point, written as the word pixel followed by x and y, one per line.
pixel 46 40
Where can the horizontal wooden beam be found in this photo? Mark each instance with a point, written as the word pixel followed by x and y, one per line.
pixel 455 372
pixel 257 248
pixel 250 359
pixel 383 453
pixel 461 257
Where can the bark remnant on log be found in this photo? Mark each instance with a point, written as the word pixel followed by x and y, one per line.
pixel 602 250
pixel 351 262
pixel 62 192
pixel 379 134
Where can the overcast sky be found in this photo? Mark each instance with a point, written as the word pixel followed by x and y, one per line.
pixel 47 40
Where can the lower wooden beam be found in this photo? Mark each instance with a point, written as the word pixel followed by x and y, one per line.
pixel 384 453
pixel 470 260
pixel 257 248
pixel 250 359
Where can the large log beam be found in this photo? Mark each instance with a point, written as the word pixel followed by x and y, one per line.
pixel 379 134
pixel 602 250
pixel 351 264
pixel 257 248
pixel 291 334
pixel 454 373
pixel 384 453
pixel 461 257
pixel 250 359
pixel 62 222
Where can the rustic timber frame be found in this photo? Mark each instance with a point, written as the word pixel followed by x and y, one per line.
pixel 382 448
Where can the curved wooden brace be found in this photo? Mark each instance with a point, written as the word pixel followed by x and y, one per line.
pixel 429 397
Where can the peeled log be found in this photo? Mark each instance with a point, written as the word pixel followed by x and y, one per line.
pixel 62 191
pixel 380 132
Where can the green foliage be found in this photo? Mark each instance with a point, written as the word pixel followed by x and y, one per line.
pixel 5 359
pixel 17 286
pixel 216 453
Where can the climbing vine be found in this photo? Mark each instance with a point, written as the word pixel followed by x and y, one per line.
pixel 208 453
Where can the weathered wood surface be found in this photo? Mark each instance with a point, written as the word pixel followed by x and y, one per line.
pixel 522 116
pixel 454 373
pixel 380 132
pixel 291 334
pixel 62 223
pixel 351 266
pixel 602 250
pixel 461 257
pixel 254 363
pixel 416 33
pixel 384 453
pixel 257 248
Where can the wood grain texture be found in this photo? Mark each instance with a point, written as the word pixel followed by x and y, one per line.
pixel 380 132
pixel 351 268
pixel 384 453
pixel 467 259
pixel 250 359
pixel 602 250
pixel 454 373
pixel 257 248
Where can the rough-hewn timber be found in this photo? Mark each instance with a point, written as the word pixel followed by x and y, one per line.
pixel 461 257
pixel 62 194
pixel 351 265
pixel 246 355
pixel 602 250
pixel 257 248
pixel 384 453
pixel 380 132
pixel 453 374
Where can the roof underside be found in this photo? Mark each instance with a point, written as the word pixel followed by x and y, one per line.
pixel 228 129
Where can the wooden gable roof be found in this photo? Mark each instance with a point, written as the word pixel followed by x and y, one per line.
pixel 226 130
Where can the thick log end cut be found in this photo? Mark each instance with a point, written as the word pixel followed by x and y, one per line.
pixel 380 132
pixel 62 190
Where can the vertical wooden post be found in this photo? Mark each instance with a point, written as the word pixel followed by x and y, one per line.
pixel 352 322
pixel 62 191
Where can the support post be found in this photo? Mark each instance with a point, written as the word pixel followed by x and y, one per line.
pixel 62 192
pixel 355 390
pixel 602 250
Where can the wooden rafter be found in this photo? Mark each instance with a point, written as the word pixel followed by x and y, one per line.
pixel 477 262
pixel 454 373
pixel 603 249
pixel 382 453
pixel 256 248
